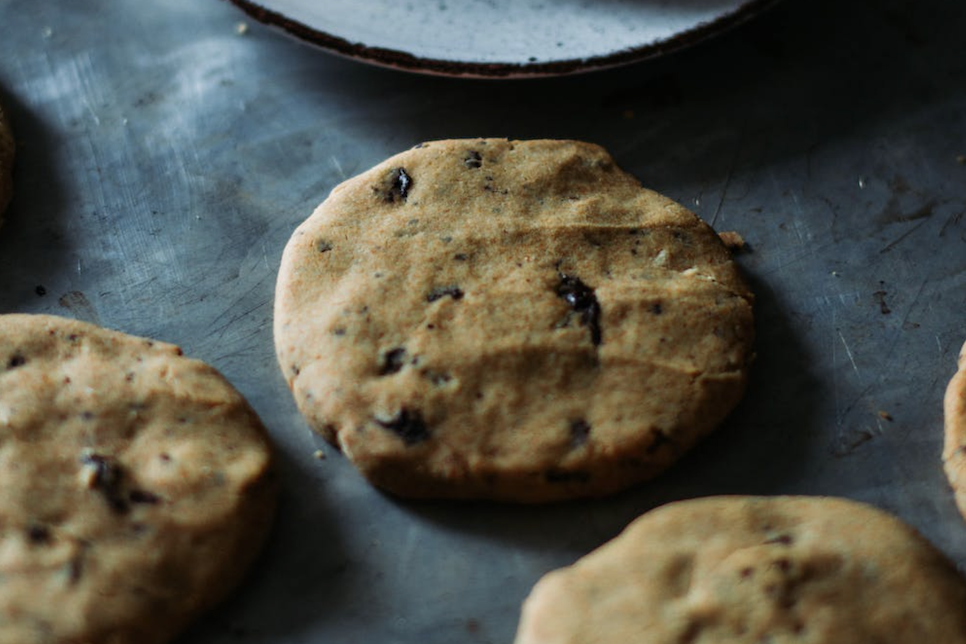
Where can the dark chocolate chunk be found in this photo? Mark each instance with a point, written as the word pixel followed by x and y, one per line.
pixel 76 568
pixel 656 308
pixel 392 361
pixel 108 480
pixel 141 496
pixel 660 440
pixel 566 476
pixel 473 159
pixel 460 257
pixel 579 432
pixel 38 534
pixel 583 301
pixel 408 425
pixel 323 246
pixel 443 291
pixel 401 184
pixel 16 361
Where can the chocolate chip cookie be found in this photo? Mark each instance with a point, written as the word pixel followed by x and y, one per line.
pixel 6 163
pixel 135 485
pixel 515 320
pixel 747 570
pixel 954 451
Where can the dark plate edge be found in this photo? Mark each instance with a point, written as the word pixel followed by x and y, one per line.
pixel 408 62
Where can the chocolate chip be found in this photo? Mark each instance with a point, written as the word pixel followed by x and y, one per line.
pixel 579 432
pixel 443 291
pixel 323 246
pixel 660 439
pixel 401 184
pixel 38 534
pixel 473 159
pixel 106 478
pixel 76 568
pixel 583 301
pixel 565 476
pixel 140 496
pixel 392 361
pixel 656 308
pixel 460 257
pixel 408 425
pixel 16 361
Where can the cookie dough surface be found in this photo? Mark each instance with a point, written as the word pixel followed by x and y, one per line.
pixel 6 162
pixel 747 570
pixel 135 485
pixel 513 320
pixel 954 451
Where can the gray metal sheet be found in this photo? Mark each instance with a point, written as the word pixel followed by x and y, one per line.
pixel 165 158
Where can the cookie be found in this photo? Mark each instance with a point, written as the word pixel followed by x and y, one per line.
pixel 135 485
pixel 748 570
pixel 6 163
pixel 954 450
pixel 509 320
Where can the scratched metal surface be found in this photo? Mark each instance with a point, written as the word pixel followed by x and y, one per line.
pixel 165 158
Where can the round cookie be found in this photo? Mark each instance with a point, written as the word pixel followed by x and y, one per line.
pixel 6 163
pixel 954 450
pixel 509 320
pixel 747 570
pixel 137 485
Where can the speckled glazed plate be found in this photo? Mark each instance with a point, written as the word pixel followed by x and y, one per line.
pixel 501 38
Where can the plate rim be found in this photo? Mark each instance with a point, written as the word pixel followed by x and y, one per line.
pixel 401 60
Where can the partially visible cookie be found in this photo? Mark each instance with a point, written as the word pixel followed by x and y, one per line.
pixel 6 162
pixel 954 450
pixel 748 570
pixel 136 485
pixel 515 320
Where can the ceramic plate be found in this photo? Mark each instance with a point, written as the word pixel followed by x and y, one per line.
pixel 501 38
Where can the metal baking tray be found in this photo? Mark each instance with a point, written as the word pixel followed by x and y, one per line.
pixel 167 150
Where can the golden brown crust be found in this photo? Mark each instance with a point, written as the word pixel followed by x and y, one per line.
pixel 512 320
pixel 137 485
pixel 6 163
pixel 746 570
pixel 954 450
